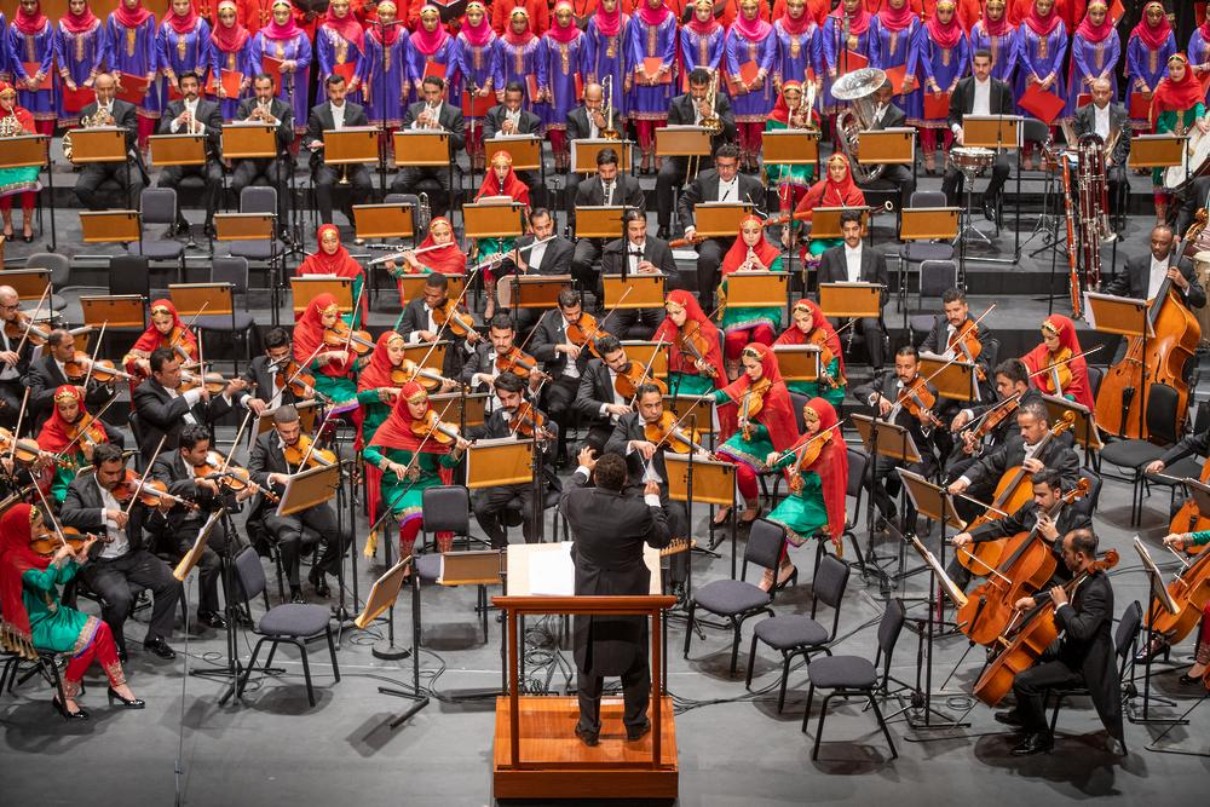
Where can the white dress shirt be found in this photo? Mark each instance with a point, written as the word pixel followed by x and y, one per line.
pixel 536 255
pixel 983 98
pixel 571 369
pixel 119 542
pixel 852 262
pixel 634 255
pixel 1100 121
pixel 338 116
pixel 1159 273
pixel 196 128
pixel 728 191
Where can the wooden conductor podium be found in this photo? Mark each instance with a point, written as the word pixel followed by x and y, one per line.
pixel 249 141
pixel 424 148
pixel 1156 151
pixel 536 753
pixel 526 150
pixel 719 219
pixel 492 221
pixel 178 149
pixel 111 226
pixel 104 144
pixel 584 154
pixel 357 144
pixel 791 147
pixel 887 146
pixel 599 221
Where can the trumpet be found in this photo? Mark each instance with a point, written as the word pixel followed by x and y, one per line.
pixel 712 122
pixel 610 132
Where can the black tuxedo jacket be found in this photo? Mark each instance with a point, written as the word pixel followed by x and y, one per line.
pixel 654 249
pixel 1054 455
pixel 1070 518
pixel 280 110
pixel 208 113
pixel 705 189
pixel 681 113
pixel 833 269
pixel 893 118
pixel 83 509
pixel 1135 280
pixel 450 118
pixel 578 126
pixel 962 102
pixel 262 381
pixel 887 385
pixel 626 191
pixel 596 388
pixel 556 260
pixel 551 331
pixel 530 123
pixel 416 318
pixel 124 115
pixel 321 120
pixel 1085 123
pixel 161 415
pixel 631 427
pixel 938 338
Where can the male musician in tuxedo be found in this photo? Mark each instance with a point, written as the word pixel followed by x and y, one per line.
pixel 47 373
pixel 163 411
pixel 270 470
pixel 941 342
pixel 888 116
pixel 178 527
pixel 643 255
pixel 885 395
pixel 609 532
pixel 854 261
pixel 194 115
pixel 508 119
pixel 480 371
pixel 1146 274
pixel 265 107
pixel 723 183
pixel 1084 656
pixel 586 122
pixel 979 94
pixel 418 325
pixel 264 372
pixel 597 400
pixel 689 110
pixel 336 113
pixel 129 176
pixel 491 503
pixel 433 114
pixel 553 256
pixel 1037 512
pixel 1110 121
pixel 608 188
pixel 115 567
pixel 15 356
pixel 563 360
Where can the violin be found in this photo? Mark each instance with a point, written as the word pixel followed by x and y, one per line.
pixel 174 340
pixel 232 477
pixel 994 417
pixel 919 402
pixel 752 404
pixel 24 327
pixel 315 457
pixel 808 455
pixel 432 426
pixel 666 430
pixel 633 376
pixel 25 451
pixel 517 362
pixel 586 331
pixel 342 337
pixel 151 492
pixel 214 383
pixel 48 542
pixel 819 338
pixel 529 422
pixel 694 345
pixel 88 430
pixel 411 371
pixel 460 323
pixel 103 370
pixel 1057 374
pixel 289 373
pixel 966 345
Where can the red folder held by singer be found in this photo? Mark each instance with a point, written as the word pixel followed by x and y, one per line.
pixel 1042 104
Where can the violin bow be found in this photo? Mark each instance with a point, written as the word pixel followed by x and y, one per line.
pixel 93 419
pixel 185 329
pixel 30 322
pixel 143 477
pixel 974 424
pixel 457 301
pixel 1045 370
pixel 420 448
pixel 92 360
pixel 974 328
pixel 49 515
pixel 12 451
pixel 792 452
pixel 647 371
pixel 353 316
pixel 235 442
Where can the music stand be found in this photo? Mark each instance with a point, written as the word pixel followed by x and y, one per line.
pixel 652 355
pixel 584 154
pixel 306 414
pixel 1162 601
pixel 249 141
pixel 426 148
pixel 895 146
pixel 757 289
pixel 536 291
pixel 306 288
pixel 255 227
pixel 355 145
pixel 880 438
pixel 466 409
pixel 492 221
pixel 114 311
pixel 394 220
pixel 410 286
pixel 177 149
pixel 708 481
pixel 111 227
pixel 998 133
pixel 1084 428
pixel 194 298
pixel 691 142
pixel 383 595
pixel 598 221
pixel 1126 317
pixel 525 150
pixel 692 409
pixel 27 151
pixel 850 300
pixel 798 362
pixel 719 219
pixel 926 224
pixel 426 355
pixel 1146 150
pixel 478 568
pixel 639 290
pixel 497 463
pixel 954 380
pixel 793 147
pixel 825 221
pixel 30 284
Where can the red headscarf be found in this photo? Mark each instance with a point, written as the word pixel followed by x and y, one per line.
pixel 1039 358
pixel 396 430
pixel 1096 33
pixel 668 333
pixel 229 38
pixel 481 34
pixel 944 35
pixel 563 34
pixel 79 23
pixel 1043 26
pixel 895 19
pixel 610 23
pixel 25 118
pixel 781 110
pixel 450 259
pixel 777 413
pixel 1000 27
pixel 792 26
pixel 859 23
pixel 653 16
pixel 347 28
pixel 309 336
pixel 340 263
pixel 702 28
pixel 387 35
pixel 55 435
pixel 17 558
pixel 766 253
pixel 377 373
pixel 525 37
pixel 826 193
pixel 1177 96
pixel 794 336
pixel 832 466
pixel 1154 37
pixel 1205 29
pixel 30 24
pixel 282 32
pixel 510 187
pixel 181 24
pixel 152 338
pixel 751 30
pixel 429 42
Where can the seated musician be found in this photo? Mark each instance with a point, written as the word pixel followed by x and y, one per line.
pixel 419 322
pixel 600 399
pixel 689 110
pixel 267 375
pixel 164 410
pixel 114 568
pixel 265 107
pixel 632 438
pixel 644 255
pixel 808 326
pixel 978 94
pixel 978 348
pixel 723 183
pixel 856 262
pixel 50 372
pixel 509 119
pixel 1110 121
pixel 695 357
pixel 16 353
pixel 71 434
pixel 545 253
pixel 771 428
pixel 888 116
pixel 587 122
pixel 336 113
pixel 1181 542
pixel 177 528
pixel 498 351
pixel 903 398
pixel 271 469
pixel 1145 275
pixel 1085 653
pixel 1040 513
pixel 166 330
pixel 490 503
pixel 333 260
pixel 836 189
pixel 433 114
pixel 563 358
pixel 501 182
pixel 1057 366
pixel 194 115
pixel 438 252
pixel 608 187
pixel 744 325
pixel 129 177
pixel 818 468
pixel 322 353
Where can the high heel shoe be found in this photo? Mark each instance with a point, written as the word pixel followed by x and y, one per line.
pixel 27 237
pixel 79 714
pixel 127 703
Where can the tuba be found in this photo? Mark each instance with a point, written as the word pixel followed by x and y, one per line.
pixel 609 132
pixel 857 88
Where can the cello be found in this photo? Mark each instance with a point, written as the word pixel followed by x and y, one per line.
pixel 1190 591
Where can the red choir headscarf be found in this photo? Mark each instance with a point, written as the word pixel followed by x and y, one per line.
pixel 481 34
pixel 1038 358
pixel 349 28
pixel 668 332
pixel 794 336
pixel 79 23
pixel 609 23
pixel 386 35
pixel 429 42
pixel 826 193
pixel 282 32
pixel 229 38
pixel 309 335
pixel 16 558
pixel 652 16
pixel 525 37
pixel 777 413
pixel 751 30
pixel 1177 96
pixel 859 23
pixel 450 259
pixel 510 187
pixel 1043 26
pixel 1096 33
pixel 944 35
pixel 794 27
pixel 997 28
pixel 30 24
pixel 832 466
pixel 55 435
pixel 702 28
pixel 377 373
pixel 1154 37
pixel 182 24
pixel 766 253
pixel 1205 28
pixel 396 430
pixel 895 19
pixel 563 34
pixel 152 338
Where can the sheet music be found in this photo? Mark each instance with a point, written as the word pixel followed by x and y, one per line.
pixel 552 574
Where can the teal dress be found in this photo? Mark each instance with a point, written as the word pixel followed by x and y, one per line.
pixel 375 413
pixel 742 318
pixel 821 389
pixel 752 451
pixel 1166 122
pixel 54 626
pixel 689 384
pixel 802 513
pixel 339 389
pixel 404 496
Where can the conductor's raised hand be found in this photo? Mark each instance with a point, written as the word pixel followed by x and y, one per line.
pixel 587 457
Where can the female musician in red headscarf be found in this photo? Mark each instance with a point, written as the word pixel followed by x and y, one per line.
pixel 501 180
pixel 35 619
pixel 688 374
pixel 166 330
pixel 1177 106
pixel 1060 369
pixel 333 367
pixel 743 325
pixel 816 504
pixel 72 433
pixel 790 112
pixel 837 189
pixel 13 181
pixel 448 260
pixel 333 259
pixel 809 326
pixel 766 423
pixel 410 462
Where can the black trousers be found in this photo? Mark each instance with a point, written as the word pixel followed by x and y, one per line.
pixel 274 173
pixel 560 395
pixel 326 178
pixel 872 332
pixel 709 260
pixel 636 693
pixel 490 505
pixel 1030 689
pixel 635 323
pixel 433 181
pixel 898 177
pixel 209 567
pixel 94 174
pixel 583 262
pixel 12 393
pixel 288 532
pixel 884 468
pixel 954 180
pixel 112 580
pixel 211 174
pixel 671 176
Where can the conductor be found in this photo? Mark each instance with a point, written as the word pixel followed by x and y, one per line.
pixel 609 530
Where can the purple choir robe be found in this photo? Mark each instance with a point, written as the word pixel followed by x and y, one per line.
pixel 5 75
pixel 1089 61
pixel 1147 65
pixel 702 51
pixel 943 66
pixel 755 106
pixel 834 58
pixel 183 53
pixel 293 86
pixel 448 55
pixel 81 56
pixel 239 61
pixel 1041 56
pixel 478 64
pixel 1199 51
pixel 797 54
pixel 891 49
pixel 133 51
pixel 33 49
pixel 332 49
pixel 1003 50
pixel 646 42
pixel 607 56
pixel 518 64
pixel 385 80
pixel 564 63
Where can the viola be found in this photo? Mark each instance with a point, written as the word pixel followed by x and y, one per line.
pixel 431 426
pixel 529 422
pixel 633 376
pixel 315 457
pixel 151 492
pixel 585 332
pixel 411 371
pixel 231 477
pixel 460 323
pixel 751 404
pixel 342 337
pixel 48 542
pixel 517 362
pixel 667 431
pixel 919 401
pixel 24 327
pixel 693 344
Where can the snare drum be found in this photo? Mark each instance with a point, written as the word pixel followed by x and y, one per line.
pixel 971 160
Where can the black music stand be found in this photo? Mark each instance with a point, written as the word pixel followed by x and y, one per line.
pixel 315 487
pixel 1162 602
pixel 882 438
pixel 383 595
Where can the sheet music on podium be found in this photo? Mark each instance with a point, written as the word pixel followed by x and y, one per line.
pixel 547 570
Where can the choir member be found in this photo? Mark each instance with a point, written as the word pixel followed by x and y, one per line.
pixel 896 43
pixel 79 55
pixel 653 40
pixel 1041 55
pixel 537 10
pixel 1199 51
pixel 519 59
pixel 703 39
pixel 944 61
pixel 130 36
pixel 230 53
pixel 30 41
pixel 847 30
pixel 337 113
pixel 1095 53
pixel 1152 43
pixel 562 54
pixel 432 113
pixel 999 37
pixel 606 52
pixel 751 53
pixel 799 48
pixel 288 46
pixel 478 63
pixel 340 48
pixel 255 15
pixel 434 53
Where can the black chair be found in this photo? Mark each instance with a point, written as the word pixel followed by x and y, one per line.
pixel 292 623
pixel 260 199
pixel 130 274
pixel 18 670
pixel 1096 374
pixel 851 676
pixel 444 509
pixel 921 251
pixel 59 267
pixel 1138 454
pixel 797 635
pixel 738 600
pixel 936 278
pixel 797 402
pixel 858 462
pixel 159 206
pixel 1187 467
pixel 1124 639
pixel 234 272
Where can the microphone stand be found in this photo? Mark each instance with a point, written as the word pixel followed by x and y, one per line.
pixel 472 89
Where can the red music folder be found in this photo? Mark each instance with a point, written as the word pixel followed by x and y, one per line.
pixel 896 75
pixel 134 88
pixel 652 65
pixel 580 87
pixel 1140 106
pixel 1042 104
pixel 434 69
pixel 936 105
pixel 31 68
pixel 1083 99
pixel 272 67
pixel 77 99
pixel 747 74
pixel 232 81
pixel 852 60
pixel 345 71
pixel 531 88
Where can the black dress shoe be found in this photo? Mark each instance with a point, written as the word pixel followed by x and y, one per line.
pixel 159 647
pixel 1189 680
pixel 79 714
pixel 127 703
pixel 296 597
pixel 635 733
pixel 1037 742
pixel 662 233
pixel 122 657
pixel 989 210
pixel 1009 718
pixel 319 580
pixel 589 738
pixel 212 619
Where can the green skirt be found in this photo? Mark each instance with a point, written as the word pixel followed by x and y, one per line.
pixel 803 514
pixel 749 452
pixel 686 384
pixel 338 389
pixel 19 180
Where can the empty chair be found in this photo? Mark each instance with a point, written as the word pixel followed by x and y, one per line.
pixel 921 251
pixel 60 271
pixel 239 323
pixel 1138 454
pixel 159 206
